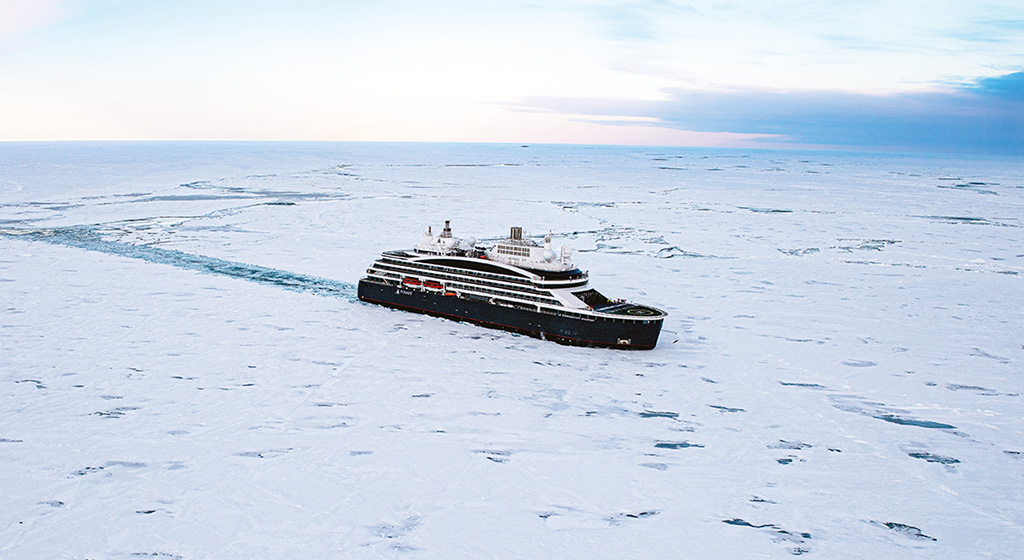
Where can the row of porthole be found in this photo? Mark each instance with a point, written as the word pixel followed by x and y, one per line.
pixel 505 278
pixel 457 279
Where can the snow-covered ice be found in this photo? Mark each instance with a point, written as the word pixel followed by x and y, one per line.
pixel 186 373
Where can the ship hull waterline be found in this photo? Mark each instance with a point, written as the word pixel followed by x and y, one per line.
pixel 564 330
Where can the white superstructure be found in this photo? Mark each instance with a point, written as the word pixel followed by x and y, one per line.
pixel 526 253
pixel 515 271
pixel 515 284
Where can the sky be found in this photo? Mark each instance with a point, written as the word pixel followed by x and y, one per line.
pixel 932 75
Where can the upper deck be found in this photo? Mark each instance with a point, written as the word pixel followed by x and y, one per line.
pixel 478 263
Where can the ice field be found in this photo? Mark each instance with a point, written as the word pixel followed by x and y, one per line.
pixel 185 371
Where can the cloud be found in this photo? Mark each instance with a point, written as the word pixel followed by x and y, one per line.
pixel 22 15
pixel 1009 87
pixel 986 116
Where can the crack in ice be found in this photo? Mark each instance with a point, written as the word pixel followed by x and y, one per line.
pixel 85 237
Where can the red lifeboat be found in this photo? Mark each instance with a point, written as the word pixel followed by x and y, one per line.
pixel 432 285
pixel 411 281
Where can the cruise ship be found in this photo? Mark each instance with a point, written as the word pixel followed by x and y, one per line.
pixel 516 284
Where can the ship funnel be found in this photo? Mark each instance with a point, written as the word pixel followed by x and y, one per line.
pixel 447 232
pixel 517 233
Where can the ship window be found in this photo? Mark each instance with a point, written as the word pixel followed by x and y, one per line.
pixel 512 250
pixel 476 267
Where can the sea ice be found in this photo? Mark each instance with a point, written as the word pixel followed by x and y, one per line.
pixel 185 372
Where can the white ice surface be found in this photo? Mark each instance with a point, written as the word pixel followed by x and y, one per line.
pixel 840 374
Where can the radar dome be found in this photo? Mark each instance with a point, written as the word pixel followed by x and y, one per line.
pixel 471 241
pixel 549 255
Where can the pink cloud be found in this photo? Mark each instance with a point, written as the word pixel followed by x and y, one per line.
pixel 22 15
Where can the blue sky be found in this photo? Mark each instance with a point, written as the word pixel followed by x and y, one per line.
pixel 909 76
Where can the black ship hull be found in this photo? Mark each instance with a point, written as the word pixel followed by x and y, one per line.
pixel 576 331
